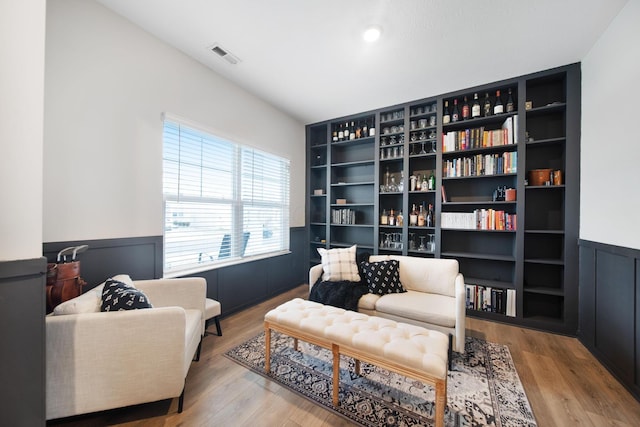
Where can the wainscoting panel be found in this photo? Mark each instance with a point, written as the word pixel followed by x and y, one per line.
pixel 236 286
pixel 610 309
pixel 139 257
pixel 22 338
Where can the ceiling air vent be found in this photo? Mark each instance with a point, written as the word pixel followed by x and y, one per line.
pixel 223 53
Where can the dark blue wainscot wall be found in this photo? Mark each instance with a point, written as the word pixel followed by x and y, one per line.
pixel 236 287
pixel 610 309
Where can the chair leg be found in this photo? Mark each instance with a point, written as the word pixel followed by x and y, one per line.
pixel 197 358
pixel 217 319
pixel 181 401
pixel 450 351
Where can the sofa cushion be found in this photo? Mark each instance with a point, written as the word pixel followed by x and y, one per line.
pixel 88 302
pixel 339 264
pixel 118 295
pixel 425 274
pixel 424 307
pixel 382 277
pixel 368 302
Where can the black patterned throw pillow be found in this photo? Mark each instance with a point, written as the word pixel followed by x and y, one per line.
pixel 118 296
pixel 382 277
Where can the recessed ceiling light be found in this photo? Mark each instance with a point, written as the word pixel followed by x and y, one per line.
pixel 372 33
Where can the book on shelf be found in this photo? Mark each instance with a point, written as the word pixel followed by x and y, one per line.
pixel 487 298
pixel 343 216
pixel 479 219
pixel 481 165
pixel 480 137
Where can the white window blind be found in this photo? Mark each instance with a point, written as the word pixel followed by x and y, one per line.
pixel 223 202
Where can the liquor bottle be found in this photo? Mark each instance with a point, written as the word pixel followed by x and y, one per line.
pixel 432 181
pixel 400 219
pixel 365 129
pixel 430 216
pixel 509 102
pixel 346 131
pixel 421 216
pixel 498 108
pixel 425 183
pixel 413 216
pixel 465 109
pixel 487 105
pixel 372 129
pixel 455 115
pixel 384 219
pixel 392 218
pixel 446 117
pixel 352 131
pixel 334 135
pixel 475 109
pixel 340 133
pixel 358 130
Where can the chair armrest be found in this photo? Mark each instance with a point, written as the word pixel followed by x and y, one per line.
pixel 103 360
pixel 315 273
pixel 461 313
pixel 187 292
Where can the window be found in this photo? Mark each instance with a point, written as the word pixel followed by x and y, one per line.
pixel 223 202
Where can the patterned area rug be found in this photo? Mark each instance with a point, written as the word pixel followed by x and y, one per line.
pixel 483 388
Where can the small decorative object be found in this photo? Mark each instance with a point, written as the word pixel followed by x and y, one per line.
pixel 510 195
pixel 528 105
pixel 557 177
pixel 341 201
pixel 539 176
pixel 318 192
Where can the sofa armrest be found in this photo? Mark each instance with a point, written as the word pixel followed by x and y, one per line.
pixel 187 292
pixel 103 360
pixel 461 313
pixel 315 273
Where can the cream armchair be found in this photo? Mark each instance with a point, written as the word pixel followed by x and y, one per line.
pixel 102 360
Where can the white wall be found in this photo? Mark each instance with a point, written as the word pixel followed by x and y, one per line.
pixel 22 44
pixel 107 83
pixel 610 191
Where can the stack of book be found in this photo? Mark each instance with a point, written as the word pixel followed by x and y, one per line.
pixel 480 137
pixel 494 300
pixel 343 216
pixel 479 219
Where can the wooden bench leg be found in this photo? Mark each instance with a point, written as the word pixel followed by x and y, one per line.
pixel 357 367
pixel 441 402
pixel 336 373
pixel 267 348
pixel 295 344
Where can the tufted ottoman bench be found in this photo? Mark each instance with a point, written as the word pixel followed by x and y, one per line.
pixel 409 350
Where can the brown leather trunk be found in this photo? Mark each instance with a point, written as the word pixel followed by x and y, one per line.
pixel 63 283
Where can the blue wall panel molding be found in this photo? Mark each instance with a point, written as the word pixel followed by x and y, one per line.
pixel 610 309
pixel 236 286
pixel 22 337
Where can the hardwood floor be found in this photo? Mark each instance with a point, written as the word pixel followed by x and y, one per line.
pixel 565 384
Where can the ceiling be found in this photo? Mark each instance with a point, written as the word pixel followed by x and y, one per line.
pixel 308 58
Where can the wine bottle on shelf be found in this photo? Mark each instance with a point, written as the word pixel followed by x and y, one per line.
pixel 372 129
pixel 392 218
pixel 498 108
pixel 446 117
pixel 421 216
pixel 475 109
pixel 429 219
pixel 334 134
pixel 432 181
pixel 400 219
pixel 465 109
pixel 413 216
pixel 352 131
pixel 340 133
pixel 487 105
pixel 346 131
pixel 358 130
pixel 455 115
pixel 384 218
pixel 365 129
pixel 509 102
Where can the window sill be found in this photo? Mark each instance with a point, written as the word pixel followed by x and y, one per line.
pixel 218 265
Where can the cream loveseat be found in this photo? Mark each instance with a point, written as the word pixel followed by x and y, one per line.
pixel 435 297
pixel 102 360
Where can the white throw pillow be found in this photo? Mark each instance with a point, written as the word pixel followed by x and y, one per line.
pixel 339 264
